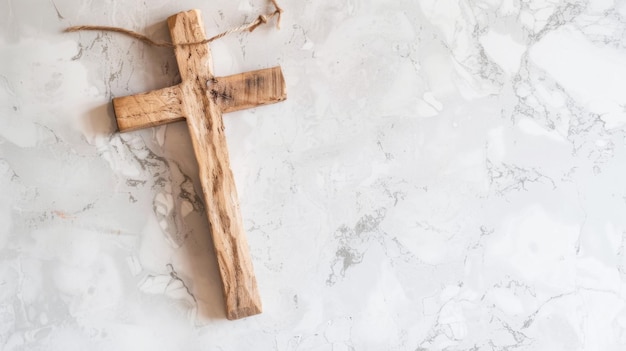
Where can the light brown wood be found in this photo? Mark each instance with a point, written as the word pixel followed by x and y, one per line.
pixel 149 109
pixel 200 99
pixel 245 90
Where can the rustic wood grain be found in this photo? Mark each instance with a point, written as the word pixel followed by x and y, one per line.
pixel 149 109
pixel 200 99
pixel 249 89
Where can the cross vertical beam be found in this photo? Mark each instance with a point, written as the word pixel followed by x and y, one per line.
pixel 200 99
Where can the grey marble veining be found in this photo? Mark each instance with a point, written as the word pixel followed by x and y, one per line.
pixel 445 175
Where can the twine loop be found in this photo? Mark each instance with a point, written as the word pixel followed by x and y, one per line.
pixel 262 19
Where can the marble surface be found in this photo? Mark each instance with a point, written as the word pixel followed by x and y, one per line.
pixel 445 175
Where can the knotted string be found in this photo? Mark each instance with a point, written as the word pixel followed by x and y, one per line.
pixel 262 19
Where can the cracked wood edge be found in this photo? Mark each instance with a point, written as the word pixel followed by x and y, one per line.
pixel 204 120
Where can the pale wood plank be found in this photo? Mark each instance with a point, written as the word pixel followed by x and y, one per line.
pixel 249 89
pixel 204 119
pixel 149 109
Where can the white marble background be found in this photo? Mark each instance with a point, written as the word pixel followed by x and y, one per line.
pixel 445 175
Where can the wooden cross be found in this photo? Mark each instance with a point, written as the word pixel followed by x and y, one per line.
pixel 200 99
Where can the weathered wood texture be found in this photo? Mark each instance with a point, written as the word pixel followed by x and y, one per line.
pixel 245 90
pixel 200 99
pixel 149 109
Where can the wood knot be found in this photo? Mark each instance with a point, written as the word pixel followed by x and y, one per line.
pixel 214 95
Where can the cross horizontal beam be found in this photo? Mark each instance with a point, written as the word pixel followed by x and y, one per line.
pixel 231 93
